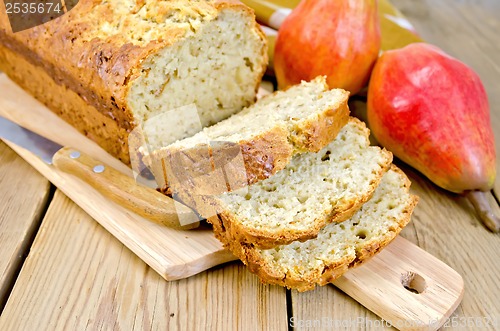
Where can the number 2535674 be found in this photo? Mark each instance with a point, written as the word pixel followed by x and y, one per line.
pixel 32 8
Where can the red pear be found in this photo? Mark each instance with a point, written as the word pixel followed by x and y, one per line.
pixel 432 112
pixel 336 38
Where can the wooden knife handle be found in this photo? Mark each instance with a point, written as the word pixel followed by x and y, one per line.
pixel 125 191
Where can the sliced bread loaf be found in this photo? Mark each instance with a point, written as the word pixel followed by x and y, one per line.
pixel 303 265
pixel 108 66
pixel 312 191
pixel 305 117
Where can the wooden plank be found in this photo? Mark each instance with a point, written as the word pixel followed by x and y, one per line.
pixel 415 294
pixel 443 224
pixel 24 194
pixel 467 30
pixel 327 308
pixel 79 277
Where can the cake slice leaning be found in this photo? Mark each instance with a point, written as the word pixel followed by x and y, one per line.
pixel 313 190
pixel 304 118
pixel 303 265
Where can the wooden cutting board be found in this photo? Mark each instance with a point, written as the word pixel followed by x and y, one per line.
pixel 403 284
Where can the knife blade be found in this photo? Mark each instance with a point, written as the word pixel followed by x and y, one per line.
pixel 118 187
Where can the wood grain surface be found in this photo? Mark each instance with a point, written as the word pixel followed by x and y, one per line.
pixel 79 277
pixel 424 292
pixel 24 193
pixel 444 224
pixel 179 254
pixel 105 286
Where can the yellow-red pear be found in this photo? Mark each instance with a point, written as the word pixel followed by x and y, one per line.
pixel 336 38
pixel 432 112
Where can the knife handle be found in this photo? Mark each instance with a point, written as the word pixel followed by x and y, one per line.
pixel 125 191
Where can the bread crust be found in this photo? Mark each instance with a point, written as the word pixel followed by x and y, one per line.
pixel 94 71
pixel 235 231
pixel 271 151
pixel 247 253
pixel 264 153
pixel 263 156
pixel 313 135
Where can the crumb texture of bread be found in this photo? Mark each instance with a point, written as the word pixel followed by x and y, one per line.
pixel 213 69
pixel 313 190
pixel 131 60
pixel 299 105
pixel 304 118
pixel 338 246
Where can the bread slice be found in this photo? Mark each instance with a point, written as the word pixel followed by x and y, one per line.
pixel 111 65
pixel 306 117
pixel 303 265
pixel 312 191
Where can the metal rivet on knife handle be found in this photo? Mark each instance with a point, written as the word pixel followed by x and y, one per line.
pixel 74 155
pixel 99 169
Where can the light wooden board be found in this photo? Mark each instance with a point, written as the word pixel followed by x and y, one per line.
pixel 432 286
pixel 381 286
pixel 24 193
pixel 79 277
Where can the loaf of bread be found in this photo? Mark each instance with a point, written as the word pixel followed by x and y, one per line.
pixel 313 190
pixel 107 66
pixel 338 246
pixel 304 118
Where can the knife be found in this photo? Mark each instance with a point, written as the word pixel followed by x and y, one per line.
pixel 111 183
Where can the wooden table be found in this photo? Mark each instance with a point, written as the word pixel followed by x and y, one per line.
pixel 60 270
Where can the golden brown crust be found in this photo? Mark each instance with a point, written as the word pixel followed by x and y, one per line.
pixel 250 257
pixel 263 156
pixel 94 54
pixel 269 152
pixel 373 247
pixel 66 104
pixel 96 66
pixel 314 134
pixel 308 136
pixel 266 154
pixel 234 231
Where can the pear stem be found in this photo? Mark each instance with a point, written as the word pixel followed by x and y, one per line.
pixel 479 200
